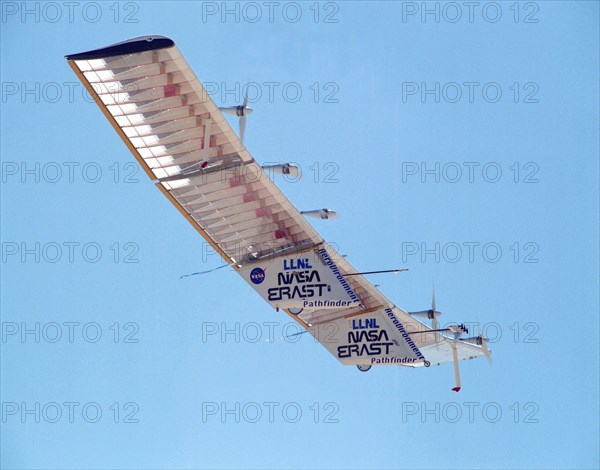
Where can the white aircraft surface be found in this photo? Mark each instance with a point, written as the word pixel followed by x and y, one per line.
pixel 181 139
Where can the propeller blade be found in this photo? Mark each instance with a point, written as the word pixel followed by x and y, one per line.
pixel 456 370
pixel 245 104
pixel 242 128
pixel 434 322
pixel 484 347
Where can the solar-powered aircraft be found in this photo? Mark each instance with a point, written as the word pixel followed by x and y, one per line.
pixel 181 139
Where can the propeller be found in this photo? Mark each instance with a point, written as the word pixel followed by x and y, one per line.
pixel 430 314
pixel 240 111
pixel 321 214
pixel 482 341
pixel 242 115
pixel 434 322
pixel 484 347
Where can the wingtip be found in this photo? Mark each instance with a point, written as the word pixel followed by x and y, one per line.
pixel 130 46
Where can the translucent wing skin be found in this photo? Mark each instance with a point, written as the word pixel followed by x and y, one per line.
pixel 163 114
pixel 166 118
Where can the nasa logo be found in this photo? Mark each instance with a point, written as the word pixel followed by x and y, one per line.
pixel 257 275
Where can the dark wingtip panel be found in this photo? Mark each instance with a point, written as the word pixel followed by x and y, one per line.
pixel 131 46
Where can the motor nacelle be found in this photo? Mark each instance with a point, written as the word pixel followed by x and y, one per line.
pixel 284 169
pixel 320 214
pixel 238 111
pixel 429 314
pixel 478 340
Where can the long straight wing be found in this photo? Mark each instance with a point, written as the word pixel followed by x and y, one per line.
pixel 175 131
pixel 171 125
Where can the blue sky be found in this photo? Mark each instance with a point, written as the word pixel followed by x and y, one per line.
pixel 98 252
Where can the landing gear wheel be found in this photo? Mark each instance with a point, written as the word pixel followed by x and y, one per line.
pixel 427 363
pixel 363 368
